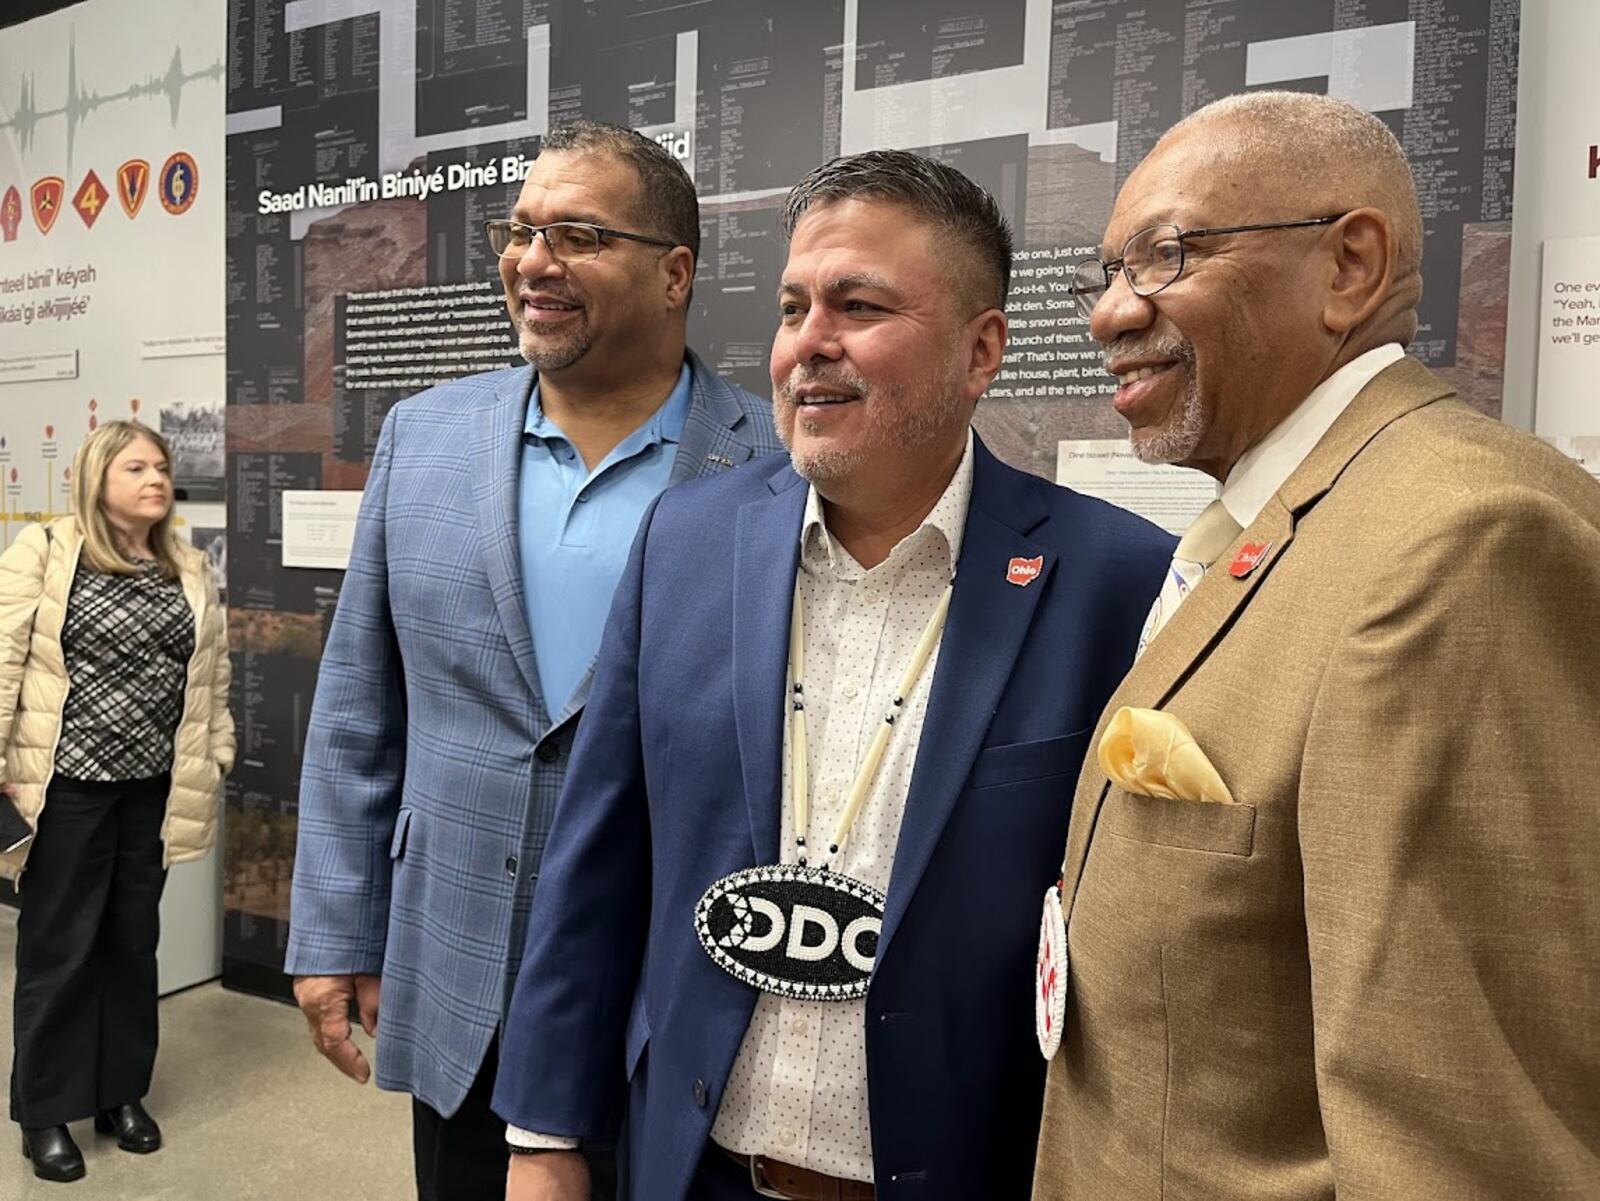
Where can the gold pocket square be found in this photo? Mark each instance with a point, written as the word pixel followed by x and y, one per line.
pixel 1151 753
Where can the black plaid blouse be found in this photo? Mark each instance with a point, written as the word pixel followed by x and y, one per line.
pixel 127 641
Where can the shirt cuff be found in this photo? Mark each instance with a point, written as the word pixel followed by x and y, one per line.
pixel 519 1137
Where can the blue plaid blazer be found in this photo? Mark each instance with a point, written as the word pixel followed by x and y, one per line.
pixel 432 765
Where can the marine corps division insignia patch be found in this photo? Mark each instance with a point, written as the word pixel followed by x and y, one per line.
pixel 179 183
pixel 90 198
pixel 46 197
pixel 133 183
pixel 11 213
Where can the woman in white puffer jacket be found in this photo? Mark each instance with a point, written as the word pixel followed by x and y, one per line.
pixel 114 705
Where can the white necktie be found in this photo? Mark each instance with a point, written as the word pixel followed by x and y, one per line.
pixel 1201 545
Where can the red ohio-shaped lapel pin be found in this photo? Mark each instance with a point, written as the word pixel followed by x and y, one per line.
pixel 1023 572
pixel 1248 559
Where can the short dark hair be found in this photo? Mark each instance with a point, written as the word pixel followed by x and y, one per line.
pixel 939 194
pixel 667 203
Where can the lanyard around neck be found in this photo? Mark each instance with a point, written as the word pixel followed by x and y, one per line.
pixel 799 770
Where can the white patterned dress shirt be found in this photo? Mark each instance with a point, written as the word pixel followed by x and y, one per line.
pixel 798 1090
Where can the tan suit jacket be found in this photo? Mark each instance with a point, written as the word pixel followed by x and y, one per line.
pixel 1377 975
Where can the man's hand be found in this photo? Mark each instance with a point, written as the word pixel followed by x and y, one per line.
pixel 325 1000
pixel 548 1176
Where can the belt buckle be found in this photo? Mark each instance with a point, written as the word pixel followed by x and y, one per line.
pixel 758 1181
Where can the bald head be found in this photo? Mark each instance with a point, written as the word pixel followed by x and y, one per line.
pixel 1327 268
pixel 1314 155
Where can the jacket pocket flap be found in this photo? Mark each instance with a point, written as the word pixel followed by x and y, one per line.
pixel 402 827
pixel 1187 825
pixel 1018 761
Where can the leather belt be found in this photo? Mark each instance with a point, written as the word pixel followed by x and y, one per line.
pixel 790 1182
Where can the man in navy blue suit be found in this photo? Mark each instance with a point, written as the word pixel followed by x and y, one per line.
pixel 790 903
pixel 494 526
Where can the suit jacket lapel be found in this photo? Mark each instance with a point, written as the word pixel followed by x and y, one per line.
pixel 1207 612
pixel 1213 607
pixel 989 620
pixel 497 446
pixel 710 441
pixel 1199 622
pixel 765 558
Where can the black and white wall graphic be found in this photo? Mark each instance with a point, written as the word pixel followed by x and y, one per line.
pixel 367 139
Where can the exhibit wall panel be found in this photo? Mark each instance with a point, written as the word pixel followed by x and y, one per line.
pixel 1557 200
pixel 111 288
pixel 368 139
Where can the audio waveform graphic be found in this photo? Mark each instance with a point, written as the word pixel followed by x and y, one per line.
pixel 80 101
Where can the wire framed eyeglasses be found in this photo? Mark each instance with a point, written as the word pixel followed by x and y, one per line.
pixel 1153 259
pixel 567 241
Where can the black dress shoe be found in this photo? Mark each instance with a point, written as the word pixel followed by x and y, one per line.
pixel 55 1156
pixel 136 1130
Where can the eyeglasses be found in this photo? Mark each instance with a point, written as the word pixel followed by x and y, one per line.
pixel 567 241
pixel 1153 259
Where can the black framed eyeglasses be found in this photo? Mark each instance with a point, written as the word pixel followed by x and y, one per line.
pixel 567 241
pixel 1153 259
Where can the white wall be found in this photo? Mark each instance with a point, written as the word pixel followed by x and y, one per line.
pixel 82 90
pixel 1558 120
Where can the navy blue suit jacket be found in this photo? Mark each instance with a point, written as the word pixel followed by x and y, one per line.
pixel 675 782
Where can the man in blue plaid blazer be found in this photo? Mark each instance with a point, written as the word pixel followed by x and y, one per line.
pixel 495 524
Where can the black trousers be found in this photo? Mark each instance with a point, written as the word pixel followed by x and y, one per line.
pixel 85 1006
pixel 464 1157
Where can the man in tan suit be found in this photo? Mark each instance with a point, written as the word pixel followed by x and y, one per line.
pixel 1347 942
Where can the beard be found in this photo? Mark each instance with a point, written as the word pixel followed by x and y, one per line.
pixel 1176 439
pixel 901 416
pixel 554 356
pixel 555 350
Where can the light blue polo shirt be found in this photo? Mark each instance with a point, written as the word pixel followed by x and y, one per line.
pixel 575 528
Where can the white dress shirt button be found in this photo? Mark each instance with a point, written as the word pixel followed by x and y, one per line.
pixel 850 691
pixel 801 1027
pixel 786 1136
